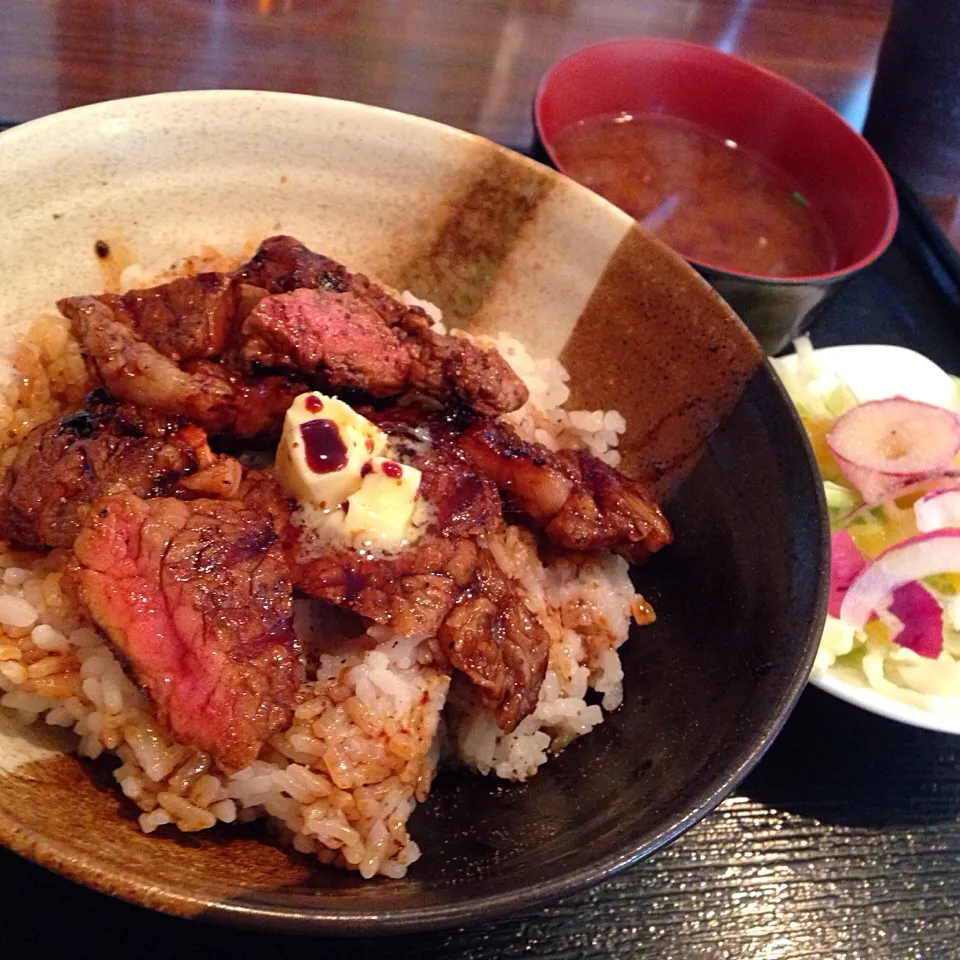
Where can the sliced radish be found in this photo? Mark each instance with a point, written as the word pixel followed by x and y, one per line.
pixel 921 618
pixel 911 559
pixel 846 564
pixel 884 446
pixel 938 509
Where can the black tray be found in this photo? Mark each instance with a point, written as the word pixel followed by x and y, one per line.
pixel 844 842
pixel 911 297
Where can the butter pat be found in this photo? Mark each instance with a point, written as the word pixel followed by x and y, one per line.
pixel 330 459
pixel 323 449
pixel 380 512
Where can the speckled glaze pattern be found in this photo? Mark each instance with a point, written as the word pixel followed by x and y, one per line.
pixel 500 243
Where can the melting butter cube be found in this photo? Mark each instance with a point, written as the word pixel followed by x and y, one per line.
pixel 379 513
pixel 323 449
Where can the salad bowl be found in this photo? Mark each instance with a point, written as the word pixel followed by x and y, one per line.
pixel 829 380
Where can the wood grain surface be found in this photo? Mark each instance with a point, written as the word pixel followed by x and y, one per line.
pixel 473 64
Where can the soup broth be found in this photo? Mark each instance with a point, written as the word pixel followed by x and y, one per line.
pixel 708 198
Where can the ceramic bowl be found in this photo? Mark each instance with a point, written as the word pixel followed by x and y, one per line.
pixel 499 242
pixel 833 167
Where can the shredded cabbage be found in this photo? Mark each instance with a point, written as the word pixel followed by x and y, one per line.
pixel 839 498
pixel 837 640
pixel 816 395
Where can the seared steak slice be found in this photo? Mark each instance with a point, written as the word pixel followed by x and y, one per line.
pixel 282 264
pixel 256 405
pixel 441 366
pixel 210 347
pixel 134 371
pixel 494 640
pixel 580 502
pixel 453 589
pixel 336 336
pixel 261 493
pixel 607 511
pixel 204 391
pixel 444 583
pixel 464 502
pixel 65 464
pixel 197 597
pixel 184 319
pixel 454 368
pixel 412 590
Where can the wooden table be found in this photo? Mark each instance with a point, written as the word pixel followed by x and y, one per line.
pixel 845 841
pixel 473 64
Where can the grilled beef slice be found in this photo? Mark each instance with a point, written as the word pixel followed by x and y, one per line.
pixel 342 319
pixel 413 589
pixel 230 351
pixel 492 638
pixel 65 464
pixel 580 502
pixel 208 392
pixel 445 582
pixel 334 337
pixel 197 597
pixel 188 318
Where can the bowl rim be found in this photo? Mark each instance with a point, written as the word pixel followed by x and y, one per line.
pixel 866 698
pixel 691 49
pixel 259 909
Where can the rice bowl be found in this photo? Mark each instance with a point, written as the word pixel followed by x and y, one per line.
pixel 718 766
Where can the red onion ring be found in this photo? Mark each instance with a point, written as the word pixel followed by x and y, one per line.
pixel 937 510
pixel 911 559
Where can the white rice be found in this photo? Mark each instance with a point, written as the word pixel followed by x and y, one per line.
pixel 340 783
pixel 543 419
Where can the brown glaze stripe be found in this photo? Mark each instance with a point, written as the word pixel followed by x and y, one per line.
pixel 476 230
pixel 672 361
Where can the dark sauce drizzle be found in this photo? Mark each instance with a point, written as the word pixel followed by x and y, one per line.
pixel 325 451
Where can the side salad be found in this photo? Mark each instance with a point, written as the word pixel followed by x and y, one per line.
pixel 884 426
